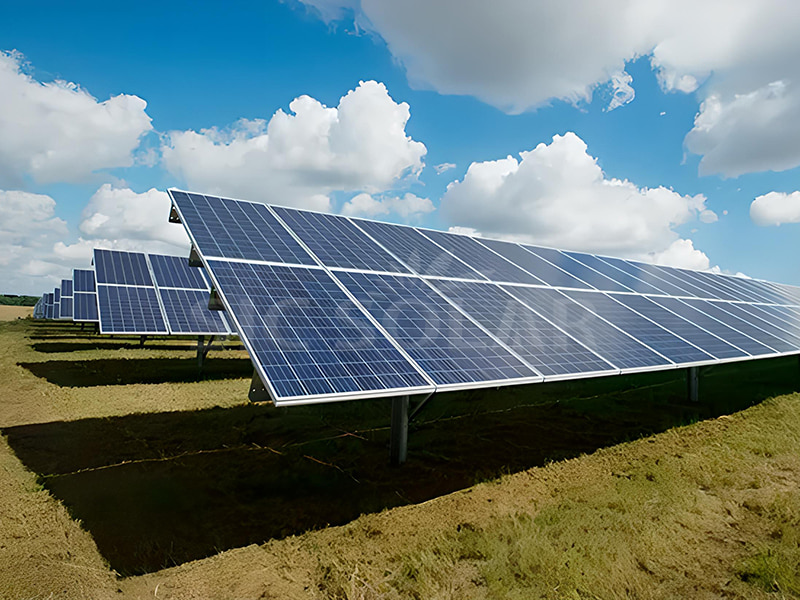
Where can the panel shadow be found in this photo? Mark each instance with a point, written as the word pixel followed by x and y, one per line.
pixel 156 490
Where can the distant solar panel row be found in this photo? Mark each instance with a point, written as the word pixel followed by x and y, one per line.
pixel 84 296
pixel 152 294
pixel 332 307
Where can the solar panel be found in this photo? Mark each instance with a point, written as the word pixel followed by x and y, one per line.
pixel 652 334
pixel 416 251
pixel 541 344
pixel 126 295
pixel 309 339
pixel 336 242
pixel 236 229
pixel 184 294
pixel 65 305
pixel 56 303
pixel 577 269
pixel 49 302
pixel 441 311
pixel 544 271
pixel 450 348
pixel 84 296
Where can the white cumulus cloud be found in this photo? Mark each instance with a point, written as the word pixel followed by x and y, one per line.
pixel 57 131
pixel 517 55
pixel 299 158
pixel 407 206
pixel 775 208
pixel 557 195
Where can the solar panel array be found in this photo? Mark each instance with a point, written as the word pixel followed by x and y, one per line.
pixel 65 309
pixel 152 294
pixel 332 307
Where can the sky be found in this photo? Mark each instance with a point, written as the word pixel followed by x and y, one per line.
pixel 658 130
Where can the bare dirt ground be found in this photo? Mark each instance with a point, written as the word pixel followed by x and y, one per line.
pixel 118 461
pixel 10 313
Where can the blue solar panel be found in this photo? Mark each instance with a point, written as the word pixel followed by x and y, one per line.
pixel 718 328
pixel 647 332
pixel 728 284
pixel 447 345
pixel 126 309
pixel 85 307
pixel 480 258
pixel 65 308
pixel 125 268
pixel 307 335
pixel 613 345
pixel 636 270
pixel 690 332
pixel 668 275
pixel 66 287
pixel 706 288
pixel 542 345
pixel 337 242
pixel 746 325
pixel 234 229
pixel 774 324
pixel 577 269
pixel 629 281
pixel 187 312
pixel 543 270
pixel 175 272
pixel 417 251
pixel 779 293
pixel 83 280
pixel 57 295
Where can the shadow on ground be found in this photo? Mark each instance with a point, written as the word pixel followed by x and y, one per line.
pixel 157 490
pixel 125 371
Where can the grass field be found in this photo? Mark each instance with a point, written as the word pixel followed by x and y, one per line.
pixel 126 473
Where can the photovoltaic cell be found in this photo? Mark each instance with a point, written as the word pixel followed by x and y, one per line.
pixel 577 269
pixel 718 328
pixel 615 346
pixel 85 307
pixel 307 335
pixel 629 281
pixel 337 242
pixel 124 268
pixel 127 309
pixel 690 332
pixel 543 270
pixel 744 325
pixel 235 229
pixel 635 270
pixel 66 287
pixel 542 345
pixel 449 347
pixel 706 289
pixel 480 258
pixel 83 280
pixel 417 251
pixel 175 272
pixel 686 287
pixel 65 307
pixel 187 312
pixel 765 320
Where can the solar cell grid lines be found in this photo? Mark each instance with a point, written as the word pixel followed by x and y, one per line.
pixel 481 258
pixel 175 272
pixel 123 268
pixel 577 269
pixel 541 344
pixel 446 344
pixel 83 280
pixel 337 242
pixel 416 251
pixel 542 269
pixel 626 279
pixel 130 309
pixel 308 336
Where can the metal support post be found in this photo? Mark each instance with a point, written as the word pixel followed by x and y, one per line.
pixel 398 442
pixel 693 383
pixel 202 350
pixel 142 340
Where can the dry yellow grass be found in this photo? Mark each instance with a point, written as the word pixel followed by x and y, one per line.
pixel 702 511
pixel 11 313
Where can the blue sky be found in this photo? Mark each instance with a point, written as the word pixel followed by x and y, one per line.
pixel 707 124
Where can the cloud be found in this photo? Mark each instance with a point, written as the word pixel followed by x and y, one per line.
pixel 557 195
pixel 759 131
pixel 299 158
pixel 28 229
pixel 442 168
pixel 408 206
pixel 775 208
pixel 517 55
pixel 58 132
